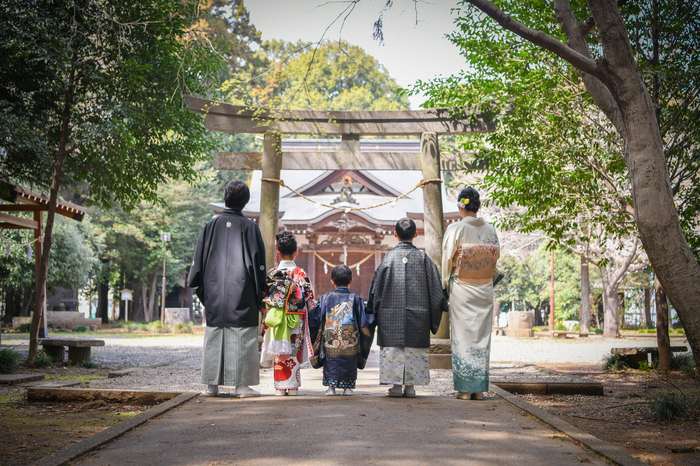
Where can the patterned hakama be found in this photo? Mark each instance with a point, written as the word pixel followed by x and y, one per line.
pixel 404 366
pixel 230 356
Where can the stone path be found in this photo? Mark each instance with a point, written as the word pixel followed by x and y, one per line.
pixel 367 428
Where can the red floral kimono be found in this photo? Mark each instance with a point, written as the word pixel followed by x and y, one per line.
pixel 289 299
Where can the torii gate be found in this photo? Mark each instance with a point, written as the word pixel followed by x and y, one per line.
pixel 350 125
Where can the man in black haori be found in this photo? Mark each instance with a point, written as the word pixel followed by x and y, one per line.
pixel 228 272
pixel 407 301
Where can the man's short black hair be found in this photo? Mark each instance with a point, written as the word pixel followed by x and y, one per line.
pixel 236 194
pixel 406 229
pixel 341 275
pixel 286 243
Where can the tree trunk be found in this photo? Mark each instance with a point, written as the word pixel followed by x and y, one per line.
pixel 585 296
pixel 647 308
pixel 144 301
pixel 103 301
pixel 152 297
pixel 663 340
pixel 48 230
pixel 610 304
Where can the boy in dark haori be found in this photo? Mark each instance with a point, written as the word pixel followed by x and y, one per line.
pixel 228 272
pixel 342 333
pixel 407 301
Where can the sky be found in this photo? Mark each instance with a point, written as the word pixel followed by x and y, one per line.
pixel 411 51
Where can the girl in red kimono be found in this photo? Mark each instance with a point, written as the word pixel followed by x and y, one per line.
pixel 288 300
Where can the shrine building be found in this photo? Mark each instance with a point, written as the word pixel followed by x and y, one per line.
pixel 357 238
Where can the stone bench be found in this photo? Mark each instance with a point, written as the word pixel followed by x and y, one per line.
pixel 498 330
pixel 78 349
pixel 633 356
pixel 564 334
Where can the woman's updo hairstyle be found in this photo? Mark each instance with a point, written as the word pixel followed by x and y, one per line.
pixel 469 199
pixel 286 243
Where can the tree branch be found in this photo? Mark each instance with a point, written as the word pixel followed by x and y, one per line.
pixel 581 62
pixel 576 39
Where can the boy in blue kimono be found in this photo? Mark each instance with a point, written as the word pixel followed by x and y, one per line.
pixel 342 334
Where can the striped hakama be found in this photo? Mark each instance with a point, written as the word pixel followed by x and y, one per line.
pixel 230 356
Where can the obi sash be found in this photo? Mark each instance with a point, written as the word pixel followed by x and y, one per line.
pixel 474 263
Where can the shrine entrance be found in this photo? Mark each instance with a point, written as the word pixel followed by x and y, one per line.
pixel 351 155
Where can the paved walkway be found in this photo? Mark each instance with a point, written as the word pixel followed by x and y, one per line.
pixel 367 428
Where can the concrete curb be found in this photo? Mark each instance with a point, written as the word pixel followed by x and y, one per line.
pixel 612 454
pixel 141 397
pixel 550 388
pixel 83 447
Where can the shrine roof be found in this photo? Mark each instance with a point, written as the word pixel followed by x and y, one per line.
pixel 296 210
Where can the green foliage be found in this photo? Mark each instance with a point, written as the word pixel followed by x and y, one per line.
pixel 81 329
pixel 614 363
pixel 333 75
pixel 88 364
pixel 683 362
pixel 183 328
pixel 9 361
pixel 118 324
pixel 598 331
pixel 136 326
pixel 669 405
pixel 24 328
pixel 527 281
pixel 644 366
pixel 158 327
pixel 43 359
pixel 118 71
pixel 560 327
pixel 554 154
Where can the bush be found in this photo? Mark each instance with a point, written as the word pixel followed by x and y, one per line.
pixel 88 364
pixel 24 328
pixel 559 327
pixel 43 359
pixel 9 361
pixel 614 362
pixel 669 405
pixel 158 327
pixel 644 366
pixel 677 330
pixel 183 328
pixel 81 329
pixel 683 362
pixel 118 324
pixel 598 331
pixel 577 328
pixel 136 326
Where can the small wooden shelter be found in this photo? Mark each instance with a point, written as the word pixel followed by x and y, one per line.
pixel 22 199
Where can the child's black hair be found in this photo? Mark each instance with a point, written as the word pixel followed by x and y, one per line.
pixel 406 229
pixel 341 275
pixel 286 243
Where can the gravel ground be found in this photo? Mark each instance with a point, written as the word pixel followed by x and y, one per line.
pixel 179 358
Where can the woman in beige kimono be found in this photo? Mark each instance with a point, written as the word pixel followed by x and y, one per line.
pixel 470 251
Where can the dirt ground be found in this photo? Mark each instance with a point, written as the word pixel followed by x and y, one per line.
pixel 623 418
pixel 31 431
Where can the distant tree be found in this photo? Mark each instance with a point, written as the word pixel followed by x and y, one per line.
pixel 332 75
pixel 93 92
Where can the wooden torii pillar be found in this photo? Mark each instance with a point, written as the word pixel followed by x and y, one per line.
pixel 350 125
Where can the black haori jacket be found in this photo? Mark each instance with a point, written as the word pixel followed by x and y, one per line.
pixel 228 270
pixel 406 298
